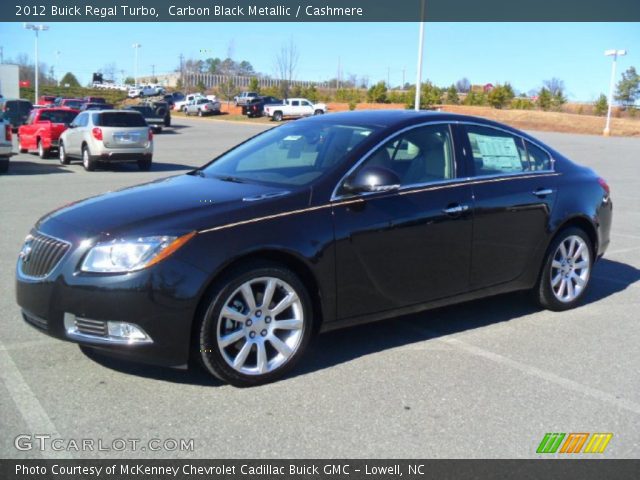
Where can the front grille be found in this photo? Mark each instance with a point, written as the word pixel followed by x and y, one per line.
pixel 36 321
pixel 91 327
pixel 41 255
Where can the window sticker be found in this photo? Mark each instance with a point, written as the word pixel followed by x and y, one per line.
pixel 498 153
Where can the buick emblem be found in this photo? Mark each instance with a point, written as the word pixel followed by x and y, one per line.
pixel 26 250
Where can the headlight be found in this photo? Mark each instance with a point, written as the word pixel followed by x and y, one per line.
pixel 128 255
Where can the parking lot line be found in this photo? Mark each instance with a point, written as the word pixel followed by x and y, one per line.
pixel 530 370
pixel 34 415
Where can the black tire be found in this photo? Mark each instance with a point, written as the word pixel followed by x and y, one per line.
pixel 88 161
pixel 4 165
pixel 200 113
pixel 62 155
pixel 206 345
pixel 277 116
pixel 319 112
pixel 23 150
pixel 43 153
pixel 145 164
pixel 167 121
pixel 543 292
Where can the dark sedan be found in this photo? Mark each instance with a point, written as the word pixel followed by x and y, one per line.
pixel 330 221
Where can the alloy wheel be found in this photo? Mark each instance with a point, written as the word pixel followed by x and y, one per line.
pixel 570 269
pixel 260 326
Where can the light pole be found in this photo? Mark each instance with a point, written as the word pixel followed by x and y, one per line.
pixel 136 47
pixel 36 28
pixel 420 49
pixel 611 53
pixel 58 52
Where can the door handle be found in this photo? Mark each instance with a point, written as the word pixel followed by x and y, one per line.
pixel 455 209
pixel 542 192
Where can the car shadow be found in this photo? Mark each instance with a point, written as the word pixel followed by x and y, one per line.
pixel 133 167
pixel 341 346
pixel 27 167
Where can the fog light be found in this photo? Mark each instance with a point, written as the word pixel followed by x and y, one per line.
pixel 127 331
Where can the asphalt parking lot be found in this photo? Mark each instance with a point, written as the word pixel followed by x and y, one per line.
pixel 485 379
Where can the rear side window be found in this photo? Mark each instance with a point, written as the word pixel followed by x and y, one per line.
pixel 18 106
pixel 121 119
pixel 496 152
pixel 538 158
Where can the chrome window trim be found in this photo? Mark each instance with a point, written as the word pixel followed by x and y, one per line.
pixel 334 194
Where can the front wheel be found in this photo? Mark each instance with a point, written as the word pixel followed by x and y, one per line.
pixel 257 325
pixel 318 112
pixel 88 162
pixel 62 155
pixel 566 272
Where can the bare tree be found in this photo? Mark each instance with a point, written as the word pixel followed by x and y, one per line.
pixel 109 72
pixel 554 85
pixel 286 63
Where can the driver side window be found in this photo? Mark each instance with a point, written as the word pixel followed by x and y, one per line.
pixel 421 155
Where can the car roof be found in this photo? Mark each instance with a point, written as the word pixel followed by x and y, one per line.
pixel 401 118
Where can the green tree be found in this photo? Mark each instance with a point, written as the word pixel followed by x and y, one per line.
pixel 628 89
pixel 500 96
pixel 452 95
pixel 70 79
pixel 200 86
pixel 378 93
pixel 475 98
pixel 601 105
pixel 545 99
pixel 521 104
pixel 310 93
pixel 254 85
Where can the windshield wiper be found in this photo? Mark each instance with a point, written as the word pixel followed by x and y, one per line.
pixel 229 178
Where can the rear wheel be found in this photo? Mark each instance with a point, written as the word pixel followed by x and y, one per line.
pixel 145 164
pixel 62 154
pixel 567 270
pixel 42 152
pixel 257 325
pixel 88 162
pixel 4 165
pixel 277 116
pixel 318 112
pixel 199 112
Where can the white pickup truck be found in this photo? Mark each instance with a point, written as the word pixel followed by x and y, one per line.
pixel 181 106
pixel 294 108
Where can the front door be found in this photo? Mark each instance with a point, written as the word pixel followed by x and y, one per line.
pixel 412 245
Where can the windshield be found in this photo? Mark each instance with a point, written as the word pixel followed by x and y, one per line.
pixel 294 154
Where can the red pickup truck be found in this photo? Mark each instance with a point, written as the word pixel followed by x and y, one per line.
pixel 43 129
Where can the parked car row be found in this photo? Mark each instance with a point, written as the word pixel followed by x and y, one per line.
pixel 145 91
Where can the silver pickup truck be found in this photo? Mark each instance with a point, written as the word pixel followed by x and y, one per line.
pixel 6 145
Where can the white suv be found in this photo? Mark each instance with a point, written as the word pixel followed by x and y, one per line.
pixel 107 136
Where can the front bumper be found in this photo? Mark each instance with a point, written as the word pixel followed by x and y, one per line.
pixel 161 300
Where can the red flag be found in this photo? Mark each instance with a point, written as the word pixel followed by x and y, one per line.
pixel 25 83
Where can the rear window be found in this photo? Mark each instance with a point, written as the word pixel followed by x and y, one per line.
pixel 54 116
pixel 73 103
pixel 146 111
pixel 121 119
pixel 18 106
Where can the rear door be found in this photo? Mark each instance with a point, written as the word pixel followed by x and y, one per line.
pixel 514 189
pixel 26 133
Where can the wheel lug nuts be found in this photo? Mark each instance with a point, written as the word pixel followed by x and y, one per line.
pixel 252 334
pixel 258 313
pixel 263 333
pixel 249 323
pixel 268 319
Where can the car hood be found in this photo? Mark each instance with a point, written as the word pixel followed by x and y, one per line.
pixel 172 205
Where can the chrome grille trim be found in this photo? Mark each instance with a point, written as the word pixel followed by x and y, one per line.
pixel 45 255
pixel 91 327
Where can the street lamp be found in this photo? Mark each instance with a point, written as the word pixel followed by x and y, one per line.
pixel 420 49
pixel 615 54
pixel 36 28
pixel 136 47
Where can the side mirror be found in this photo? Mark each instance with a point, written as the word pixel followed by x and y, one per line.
pixel 372 179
